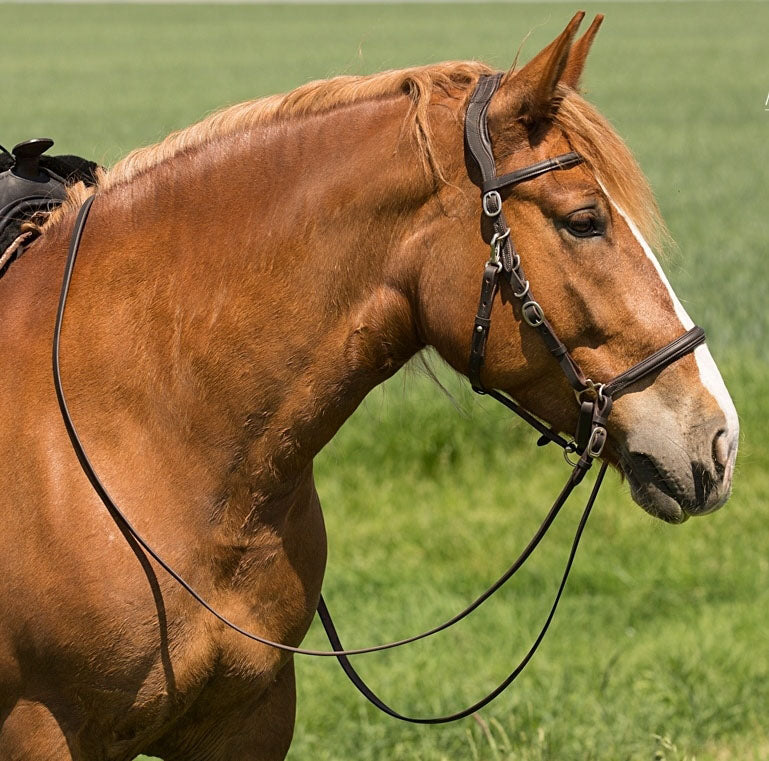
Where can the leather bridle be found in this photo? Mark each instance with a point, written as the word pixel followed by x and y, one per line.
pixel 595 399
pixel 595 402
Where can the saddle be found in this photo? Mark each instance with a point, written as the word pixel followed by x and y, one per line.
pixel 30 183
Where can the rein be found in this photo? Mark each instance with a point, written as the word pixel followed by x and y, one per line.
pixel 595 400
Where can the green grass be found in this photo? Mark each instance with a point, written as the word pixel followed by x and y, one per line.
pixel 660 649
pixel 662 633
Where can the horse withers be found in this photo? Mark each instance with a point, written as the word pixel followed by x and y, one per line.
pixel 217 335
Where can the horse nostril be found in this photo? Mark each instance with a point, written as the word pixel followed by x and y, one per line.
pixel 720 451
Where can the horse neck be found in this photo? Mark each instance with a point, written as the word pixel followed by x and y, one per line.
pixel 268 285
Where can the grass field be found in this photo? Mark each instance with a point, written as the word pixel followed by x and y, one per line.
pixel 660 650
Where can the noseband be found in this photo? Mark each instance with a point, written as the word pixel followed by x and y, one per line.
pixel 594 399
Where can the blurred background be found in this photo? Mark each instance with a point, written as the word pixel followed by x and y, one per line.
pixel 660 649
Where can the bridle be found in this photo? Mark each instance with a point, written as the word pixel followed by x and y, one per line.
pixel 595 401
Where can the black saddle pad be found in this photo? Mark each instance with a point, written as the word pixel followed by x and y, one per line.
pixel 70 169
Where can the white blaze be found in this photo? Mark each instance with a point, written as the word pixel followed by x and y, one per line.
pixel 709 374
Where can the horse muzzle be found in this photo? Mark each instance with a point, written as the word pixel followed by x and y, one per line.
pixel 674 477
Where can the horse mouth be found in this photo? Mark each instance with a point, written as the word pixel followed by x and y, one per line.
pixel 651 488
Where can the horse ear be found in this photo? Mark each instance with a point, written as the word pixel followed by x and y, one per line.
pixel 578 54
pixel 529 93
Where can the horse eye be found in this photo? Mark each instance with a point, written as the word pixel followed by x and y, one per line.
pixel 583 224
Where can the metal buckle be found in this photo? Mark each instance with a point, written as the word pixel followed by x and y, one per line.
pixel 496 246
pixel 594 447
pixel 596 442
pixel 491 195
pixel 521 294
pixel 537 318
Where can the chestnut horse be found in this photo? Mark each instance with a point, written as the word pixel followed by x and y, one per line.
pixel 241 287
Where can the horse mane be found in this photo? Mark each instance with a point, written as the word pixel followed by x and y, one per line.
pixel 588 132
pixel 313 98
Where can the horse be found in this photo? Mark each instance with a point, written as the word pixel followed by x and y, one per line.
pixel 241 286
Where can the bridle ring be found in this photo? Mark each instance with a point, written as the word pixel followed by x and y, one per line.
pixel 522 293
pixel 570 448
pixel 591 387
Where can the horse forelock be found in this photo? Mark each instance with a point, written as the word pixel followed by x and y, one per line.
pixel 612 162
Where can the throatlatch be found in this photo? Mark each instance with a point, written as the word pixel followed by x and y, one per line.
pixel 503 267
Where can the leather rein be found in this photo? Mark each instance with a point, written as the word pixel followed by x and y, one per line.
pixel 595 400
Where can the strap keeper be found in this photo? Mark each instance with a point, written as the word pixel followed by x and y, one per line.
pixel 585 427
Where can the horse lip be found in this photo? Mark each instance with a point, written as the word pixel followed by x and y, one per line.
pixel 674 512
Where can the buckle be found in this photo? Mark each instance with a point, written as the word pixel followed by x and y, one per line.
pixel 538 315
pixel 494 196
pixel 597 441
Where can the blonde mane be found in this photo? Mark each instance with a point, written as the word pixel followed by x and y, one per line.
pixel 320 96
pixel 588 132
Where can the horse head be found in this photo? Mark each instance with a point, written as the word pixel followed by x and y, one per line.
pixel 582 237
